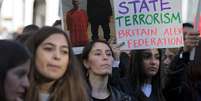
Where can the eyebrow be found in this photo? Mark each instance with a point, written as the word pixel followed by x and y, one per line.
pixel 51 44
pixel 145 52
pixel 101 50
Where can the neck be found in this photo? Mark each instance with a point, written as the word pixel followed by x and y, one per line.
pixel 99 86
pixel 148 81
pixel 76 8
pixel 45 87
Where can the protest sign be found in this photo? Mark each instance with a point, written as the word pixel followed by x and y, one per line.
pixel 142 24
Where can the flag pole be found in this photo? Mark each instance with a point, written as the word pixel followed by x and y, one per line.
pixel 197 20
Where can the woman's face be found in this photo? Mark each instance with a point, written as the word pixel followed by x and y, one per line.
pixel 151 61
pixel 99 60
pixel 168 57
pixel 16 82
pixel 52 57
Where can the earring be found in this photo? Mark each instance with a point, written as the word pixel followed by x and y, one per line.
pixel 87 73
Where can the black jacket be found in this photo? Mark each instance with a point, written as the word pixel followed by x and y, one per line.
pixel 176 78
pixel 117 95
pixel 179 86
pixel 124 84
pixel 99 11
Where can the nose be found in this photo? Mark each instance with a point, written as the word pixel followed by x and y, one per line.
pixel 166 61
pixel 25 82
pixel 153 60
pixel 105 57
pixel 57 55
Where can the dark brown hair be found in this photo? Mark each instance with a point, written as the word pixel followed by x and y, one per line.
pixel 137 75
pixel 85 55
pixel 87 49
pixel 70 87
pixel 12 54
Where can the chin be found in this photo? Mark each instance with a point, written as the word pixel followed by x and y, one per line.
pixel 19 99
pixel 108 72
pixel 105 74
pixel 153 74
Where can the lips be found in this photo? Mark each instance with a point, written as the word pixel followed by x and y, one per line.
pixel 106 65
pixel 165 66
pixel 153 69
pixel 53 66
pixel 21 96
pixel 19 99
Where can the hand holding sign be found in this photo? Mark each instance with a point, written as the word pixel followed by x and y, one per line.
pixel 145 24
pixel 191 40
pixel 116 49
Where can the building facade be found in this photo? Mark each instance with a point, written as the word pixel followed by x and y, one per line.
pixel 18 13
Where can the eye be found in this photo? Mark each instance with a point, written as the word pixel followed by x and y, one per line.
pixel 171 57
pixel 97 53
pixel 109 54
pixel 64 51
pixel 20 73
pixel 157 57
pixel 164 57
pixel 146 56
pixel 48 49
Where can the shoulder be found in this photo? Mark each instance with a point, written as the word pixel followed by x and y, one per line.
pixel 82 10
pixel 118 95
pixel 70 11
pixel 124 83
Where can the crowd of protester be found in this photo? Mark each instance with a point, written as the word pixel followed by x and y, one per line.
pixel 40 65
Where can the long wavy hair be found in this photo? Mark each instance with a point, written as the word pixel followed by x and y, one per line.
pixel 12 54
pixel 70 87
pixel 138 77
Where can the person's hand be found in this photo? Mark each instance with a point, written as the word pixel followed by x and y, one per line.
pixel 116 49
pixel 191 40
pixel 111 19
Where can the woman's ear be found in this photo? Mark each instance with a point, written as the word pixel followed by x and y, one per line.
pixel 86 64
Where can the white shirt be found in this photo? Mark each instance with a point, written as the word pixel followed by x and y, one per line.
pixel 147 89
pixel 44 96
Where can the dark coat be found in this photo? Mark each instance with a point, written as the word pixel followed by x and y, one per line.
pixel 117 95
pixel 179 86
pixel 174 88
pixel 125 85
pixel 99 11
pixel 176 83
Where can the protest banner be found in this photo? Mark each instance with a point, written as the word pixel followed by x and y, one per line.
pixel 143 24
